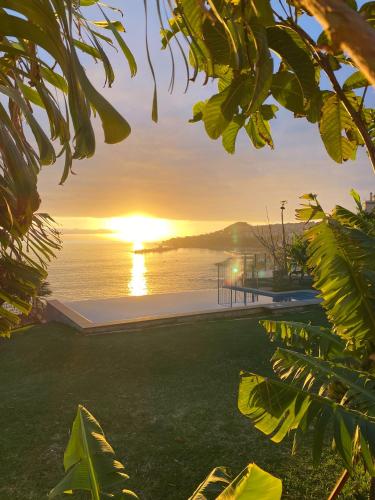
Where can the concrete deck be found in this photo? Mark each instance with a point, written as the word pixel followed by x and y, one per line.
pixel 125 308
pixel 124 313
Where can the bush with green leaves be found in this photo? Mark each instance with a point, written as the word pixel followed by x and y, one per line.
pixel 325 376
pixel 297 256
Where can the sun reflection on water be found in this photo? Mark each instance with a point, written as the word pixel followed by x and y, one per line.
pixel 138 281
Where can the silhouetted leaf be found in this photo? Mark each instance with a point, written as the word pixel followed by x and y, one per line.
pixel 287 91
pixel 286 43
pixel 355 81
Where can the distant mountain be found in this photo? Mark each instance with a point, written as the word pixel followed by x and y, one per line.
pixel 237 236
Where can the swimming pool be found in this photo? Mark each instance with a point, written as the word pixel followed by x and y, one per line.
pixel 285 296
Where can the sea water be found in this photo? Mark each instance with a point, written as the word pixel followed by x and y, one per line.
pixel 97 266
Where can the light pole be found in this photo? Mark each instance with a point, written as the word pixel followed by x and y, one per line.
pixel 282 208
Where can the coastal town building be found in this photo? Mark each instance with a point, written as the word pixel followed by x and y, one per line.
pixel 370 204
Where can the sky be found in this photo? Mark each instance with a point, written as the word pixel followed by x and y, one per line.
pixel 173 170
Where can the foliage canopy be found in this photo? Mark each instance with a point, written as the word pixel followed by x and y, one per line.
pixel 41 68
pixel 263 57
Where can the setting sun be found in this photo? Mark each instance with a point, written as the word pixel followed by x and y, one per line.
pixel 139 228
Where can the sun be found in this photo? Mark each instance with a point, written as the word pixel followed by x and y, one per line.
pixel 138 229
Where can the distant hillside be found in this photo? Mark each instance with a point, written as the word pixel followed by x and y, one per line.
pixel 237 236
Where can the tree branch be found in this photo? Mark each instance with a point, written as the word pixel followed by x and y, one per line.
pixel 348 30
pixel 339 485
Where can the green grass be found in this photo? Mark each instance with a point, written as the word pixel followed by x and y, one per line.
pixel 166 398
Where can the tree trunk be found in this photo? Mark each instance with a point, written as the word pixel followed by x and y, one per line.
pixel 348 30
pixel 372 489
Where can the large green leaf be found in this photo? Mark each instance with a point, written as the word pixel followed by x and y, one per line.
pixel 221 107
pixel 263 11
pixel 88 49
pixel 342 260
pixel 231 132
pixel 311 210
pixel 46 151
pixel 259 131
pixel 263 67
pixel 289 46
pixel 334 120
pixel 115 127
pixel 90 462
pixel 311 339
pixel 198 110
pixel 268 111
pixel 125 49
pixel 276 408
pixel 356 389
pixel 355 81
pixel 253 483
pixel 216 41
pixel 361 220
pixel 54 79
pixel 14 26
pixel 194 14
pixel 287 91
pixel 314 106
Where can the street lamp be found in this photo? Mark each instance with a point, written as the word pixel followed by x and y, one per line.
pixel 282 208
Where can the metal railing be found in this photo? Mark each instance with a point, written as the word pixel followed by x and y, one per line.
pixel 241 271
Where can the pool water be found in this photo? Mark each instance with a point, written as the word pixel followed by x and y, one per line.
pixel 293 295
pixel 257 293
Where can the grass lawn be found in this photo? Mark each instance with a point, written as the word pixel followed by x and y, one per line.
pixel 166 398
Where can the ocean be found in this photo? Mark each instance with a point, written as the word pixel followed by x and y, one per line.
pixel 97 266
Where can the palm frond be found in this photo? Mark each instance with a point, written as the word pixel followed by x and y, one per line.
pixel 360 220
pixel 315 340
pixel 40 66
pixel 341 255
pixel 23 268
pixel 348 386
pixel 277 408
pixel 342 261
